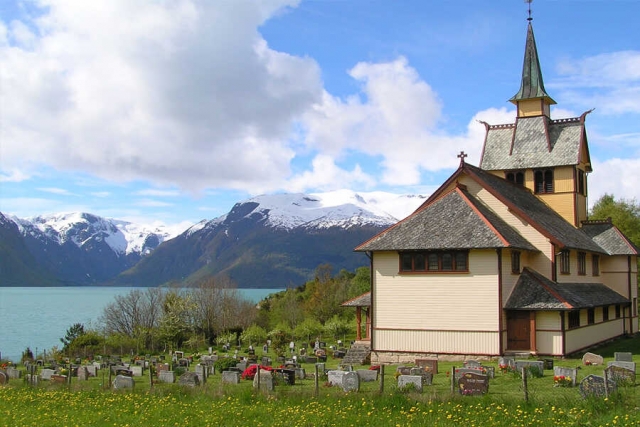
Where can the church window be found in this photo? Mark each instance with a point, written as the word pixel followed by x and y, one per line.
pixel 618 311
pixel 582 263
pixel 605 313
pixel 582 189
pixel 434 261
pixel 543 180
pixel 515 262
pixel 516 177
pixel 591 316
pixel 565 262
pixel 574 319
pixel 595 265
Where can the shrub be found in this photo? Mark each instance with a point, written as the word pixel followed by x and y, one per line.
pixel 225 363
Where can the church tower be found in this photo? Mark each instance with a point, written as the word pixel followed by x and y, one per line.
pixel 549 157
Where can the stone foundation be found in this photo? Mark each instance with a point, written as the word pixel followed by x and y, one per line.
pixel 399 358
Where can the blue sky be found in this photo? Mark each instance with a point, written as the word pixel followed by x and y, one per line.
pixel 174 110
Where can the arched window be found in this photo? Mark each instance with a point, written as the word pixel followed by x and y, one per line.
pixel 515 177
pixel 543 181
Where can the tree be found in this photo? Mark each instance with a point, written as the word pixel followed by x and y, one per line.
pixel 253 335
pixel 76 330
pixel 336 327
pixel 624 213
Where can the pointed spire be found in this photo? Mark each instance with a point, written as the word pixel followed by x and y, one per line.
pixel 532 86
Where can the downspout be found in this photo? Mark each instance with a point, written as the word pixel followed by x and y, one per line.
pixel 554 267
pixel 371 314
pixel 564 333
pixel 500 310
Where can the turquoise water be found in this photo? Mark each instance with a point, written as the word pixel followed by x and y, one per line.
pixel 39 317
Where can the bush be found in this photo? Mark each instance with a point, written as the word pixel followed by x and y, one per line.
pixel 225 363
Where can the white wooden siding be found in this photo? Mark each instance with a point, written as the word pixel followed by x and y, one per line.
pixel 549 342
pixel 448 342
pixel 580 338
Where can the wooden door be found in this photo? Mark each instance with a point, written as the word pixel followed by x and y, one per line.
pixel 518 330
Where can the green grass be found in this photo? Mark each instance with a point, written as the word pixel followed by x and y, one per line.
pixel 214 404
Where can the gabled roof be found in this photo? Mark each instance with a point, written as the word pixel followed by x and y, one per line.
pixel 533 291
pixel 532 86
pixel 454 221
pixel 607 236
pixel 535 142
pixel 363 300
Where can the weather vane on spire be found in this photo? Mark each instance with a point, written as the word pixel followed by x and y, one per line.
pixel 529 3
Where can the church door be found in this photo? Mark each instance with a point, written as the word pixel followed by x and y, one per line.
pixel 518 330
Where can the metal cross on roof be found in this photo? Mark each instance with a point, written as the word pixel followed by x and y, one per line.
pixel 461 156
pixel 529 2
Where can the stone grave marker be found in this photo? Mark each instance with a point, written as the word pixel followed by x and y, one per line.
pixel 428 364
pixel 623 356
pixel 47 373
pixel 3 378
pixel 183 362
pixel 626 365
pixel 472 384
pixel 266 361
pixel 31 379
pixel 367 375
pixel 530 364
pixel 136 371
pixel 59 379
pixel 459 372
pixel 490 371
pixel 122 382
pixel 559 371
pixel 189 379
pixel 166 377
pixel 300 373
pixel 201 372
pixel 266 380
pixel 593 386
pixel 83 373
pixel 404 370
pixel 427 376
pixel 351 381
pixel 415 380
pixel 592 359
pixel 335 377
pixel 242 366
pixel 230 377
pixel 92 370
pixel 620 375
pixel 472 364
pixel 13 373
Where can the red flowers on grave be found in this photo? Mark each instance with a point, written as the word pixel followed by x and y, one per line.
pixel 562 381
pixel 252 370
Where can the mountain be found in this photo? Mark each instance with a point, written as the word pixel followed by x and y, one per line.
pixel 274 241
pixel 270 241
pixel 74 248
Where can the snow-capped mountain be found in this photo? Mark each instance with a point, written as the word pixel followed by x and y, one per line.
pixel 266 241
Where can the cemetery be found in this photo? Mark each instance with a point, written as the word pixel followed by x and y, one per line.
pixel 227 374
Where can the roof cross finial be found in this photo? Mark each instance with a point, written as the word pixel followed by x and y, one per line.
pixel 529 2
pixel 461 156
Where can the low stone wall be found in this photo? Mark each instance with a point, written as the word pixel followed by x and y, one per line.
pixel 396 358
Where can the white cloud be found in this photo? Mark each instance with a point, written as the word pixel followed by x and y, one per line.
pixel 15 175
pixel 58 191
pixel 616 176
pixel 326 175
pixel 150 203
pixel 184 93
pixel 158 193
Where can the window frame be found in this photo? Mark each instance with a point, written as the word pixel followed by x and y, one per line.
pixel 595 265
pixel 618 311
pixel 543 181
pixel 582 263
pixel 605 313
pixel 457 261
pixel 574 319
pixel 517 177
pixel 582 180
pixel 591 316
pixel 565 261
pixel 515 262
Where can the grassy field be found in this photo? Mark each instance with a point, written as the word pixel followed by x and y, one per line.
pixel 214 404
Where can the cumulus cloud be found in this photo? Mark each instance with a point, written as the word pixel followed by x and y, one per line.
pixel 184 92
pixel 616 176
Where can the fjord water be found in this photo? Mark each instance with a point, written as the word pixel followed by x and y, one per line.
pixel 39 317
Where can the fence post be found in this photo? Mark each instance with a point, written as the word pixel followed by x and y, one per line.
pixel 606 383
pixel 453 380
pixel 381 379
pixel 524 384
pixel 316 381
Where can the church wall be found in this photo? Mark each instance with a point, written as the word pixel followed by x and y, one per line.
pixel 548 333
pixel 455 313
pixel 580 338
pixel 573 276
pixel 614 273
pixel 562 203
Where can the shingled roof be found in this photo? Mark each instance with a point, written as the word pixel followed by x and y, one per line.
pixel 533 291
pixel 363 300
pixel 534 142
pixel 454 221
pixel 607 236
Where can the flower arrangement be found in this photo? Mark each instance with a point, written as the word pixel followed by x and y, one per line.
pixel 504 368
pixel 562 381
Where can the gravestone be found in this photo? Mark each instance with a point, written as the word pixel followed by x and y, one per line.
pixel 13 373
pixel 161 367
pixel 183 362
pixel 92 370
pixel 623 356
pixel 427 376
pixel 506 363
pixel 3 378
pixel 335 377
pixel 59 379
pixel 242 366
pixel 428 364
pixel 46 374
pixel 122 382
pixel 266 361
pixel 490 371
pixel 472 384
pixel 300 373
pixel 593 386
pixel 201 372
pixel 592 359
pixel 136 371
pixel 166 377
pixel 266 380
pixel 367 375
pixel 351 381
pixel 189 379
pixel 83 373
pixel 312 359
pixel 530 364
pixel 472 364
pixel 559 371
pixel 415 380
pixel 626 365
pixel 459 372
pixel 230 377
pixel 403 370
pixel 31 379
pixel 621 376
